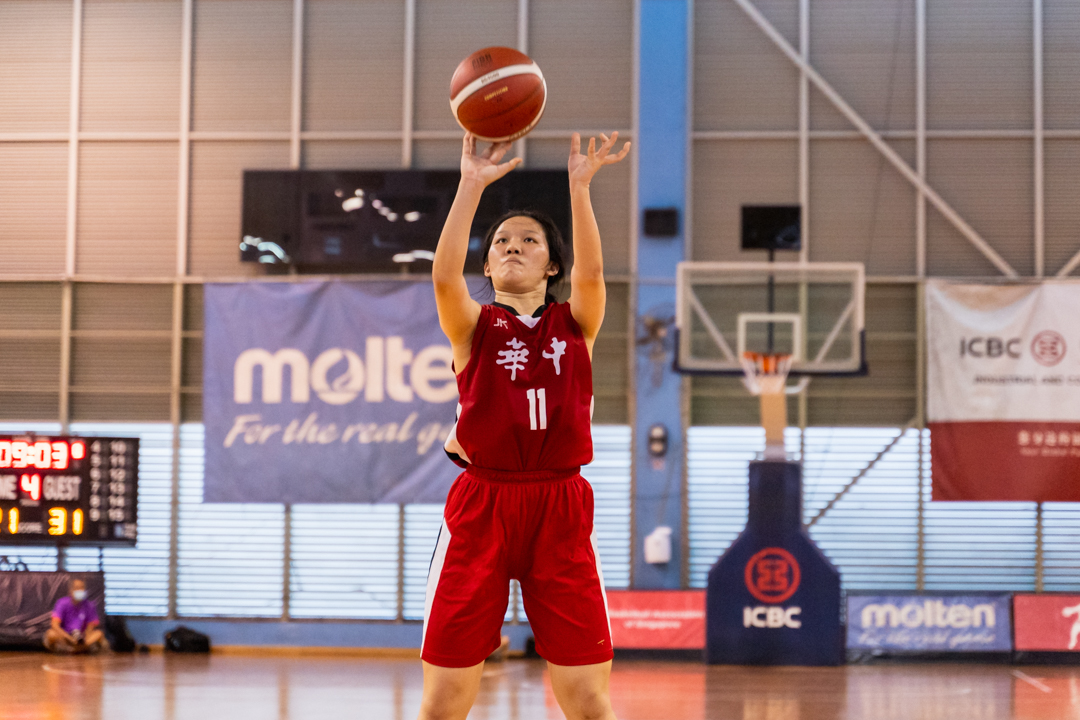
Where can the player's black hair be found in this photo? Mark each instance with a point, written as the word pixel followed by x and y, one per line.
pixel 559 250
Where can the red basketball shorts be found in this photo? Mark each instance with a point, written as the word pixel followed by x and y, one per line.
pixel 534 527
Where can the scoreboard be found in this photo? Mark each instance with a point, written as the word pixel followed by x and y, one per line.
pixel 65 490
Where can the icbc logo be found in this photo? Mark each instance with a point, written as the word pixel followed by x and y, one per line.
pixel 1048 347
pixel 772 575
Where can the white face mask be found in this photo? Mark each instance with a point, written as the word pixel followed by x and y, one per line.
pixel 79 595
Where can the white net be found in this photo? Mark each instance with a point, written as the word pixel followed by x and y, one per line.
pixel 766 373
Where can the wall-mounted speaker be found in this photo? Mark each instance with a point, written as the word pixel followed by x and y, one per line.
pixel 771 227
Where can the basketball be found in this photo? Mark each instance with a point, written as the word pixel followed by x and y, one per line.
pixel 498 94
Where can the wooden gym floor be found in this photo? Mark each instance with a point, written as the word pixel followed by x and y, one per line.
pixel 291 687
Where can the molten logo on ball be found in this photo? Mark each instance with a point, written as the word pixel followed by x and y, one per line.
pixel 772 575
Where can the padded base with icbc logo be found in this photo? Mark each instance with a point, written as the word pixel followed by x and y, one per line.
pixel 536 527
pixel 773 598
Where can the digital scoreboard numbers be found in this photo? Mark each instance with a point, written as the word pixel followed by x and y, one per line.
pixel 68 490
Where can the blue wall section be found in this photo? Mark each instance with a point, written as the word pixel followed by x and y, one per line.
pixel 662 163
pixel 303 634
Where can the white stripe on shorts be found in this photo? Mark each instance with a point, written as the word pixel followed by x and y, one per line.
pixel 600 574
pixel 433 575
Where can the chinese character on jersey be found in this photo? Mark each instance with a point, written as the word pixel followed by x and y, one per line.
pixel 514 360
pixel 558 349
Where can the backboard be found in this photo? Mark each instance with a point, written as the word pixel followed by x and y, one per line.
pixel 813 311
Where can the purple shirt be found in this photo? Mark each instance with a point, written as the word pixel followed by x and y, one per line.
pixel 74 616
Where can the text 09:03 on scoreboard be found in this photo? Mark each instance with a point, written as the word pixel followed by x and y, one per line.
pixel 68 490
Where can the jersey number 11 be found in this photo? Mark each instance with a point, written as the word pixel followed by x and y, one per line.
pixel 537 397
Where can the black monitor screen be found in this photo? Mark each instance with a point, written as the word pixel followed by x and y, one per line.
pixel 378 221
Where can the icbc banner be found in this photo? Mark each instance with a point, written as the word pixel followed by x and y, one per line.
pixel 1046 622
pixel 1003 391
pixel 657 620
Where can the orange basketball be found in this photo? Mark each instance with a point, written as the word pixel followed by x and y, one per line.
pixel 498 94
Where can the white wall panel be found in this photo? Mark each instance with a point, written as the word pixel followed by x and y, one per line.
pixel 585 51
pixel 741 80
pixel 448 31
pixel 728 175
pixel 866 51
pixel 33 193
pixel 243 65
pixel 351 155
pixel 230 553
pixel 979 64
pixel 127 208
pixel 107 306
pixel 861 208
pixel 344 561
pixel 35 65
pixel 131 65
pixel 1061 64
pixel 1062 208
pixel 610 192
pixel 217 170
pixel 437 154
pixel 353 65
pixel 989 182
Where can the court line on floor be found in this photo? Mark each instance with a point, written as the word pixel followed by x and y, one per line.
pixel 1032 681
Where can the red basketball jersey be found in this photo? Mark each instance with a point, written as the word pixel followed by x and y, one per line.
pixel 526 393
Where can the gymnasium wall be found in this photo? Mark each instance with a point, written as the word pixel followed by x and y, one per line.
pixel 125 126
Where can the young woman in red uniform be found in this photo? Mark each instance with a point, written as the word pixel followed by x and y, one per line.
pixel 520 510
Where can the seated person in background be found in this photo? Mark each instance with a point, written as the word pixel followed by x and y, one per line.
pixel 75 624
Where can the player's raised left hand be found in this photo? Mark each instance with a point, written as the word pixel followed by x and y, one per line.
pixel 582 167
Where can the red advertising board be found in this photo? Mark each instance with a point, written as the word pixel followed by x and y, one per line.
pixel 1046 622
pixel 657 619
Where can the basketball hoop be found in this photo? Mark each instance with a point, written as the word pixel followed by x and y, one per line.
pixel 766 377
pixel 766 373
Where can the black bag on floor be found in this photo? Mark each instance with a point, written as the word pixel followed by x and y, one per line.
pixel 186 640
pixel 118 635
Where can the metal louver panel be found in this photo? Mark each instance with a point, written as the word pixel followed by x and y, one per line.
pixel 866 51
pixel 741 80
pixel 447 33
pixel 33 184
pixel 716 480
pixel 609 474
pixel 127 209
pixel 137 579
pixel 979 58
pixel 422 523
pixel 231 554
pixel 217 170
pixel 353 66
pixel 563 39
pixel 1061 547
pixel 871 533
pixel 35 57
pixel 242 74
pixel 344 561
pixel 131 66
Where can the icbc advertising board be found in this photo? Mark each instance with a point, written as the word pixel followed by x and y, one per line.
pixel 68 490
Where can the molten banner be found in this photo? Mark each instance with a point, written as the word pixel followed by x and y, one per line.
pixel 326 392
pixel 941 623
pixel 1003 391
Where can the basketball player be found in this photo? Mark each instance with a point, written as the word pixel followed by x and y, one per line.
pixel 520 510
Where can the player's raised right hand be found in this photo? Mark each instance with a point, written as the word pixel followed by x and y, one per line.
pixel 484 168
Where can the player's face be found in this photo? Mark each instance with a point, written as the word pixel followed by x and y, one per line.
pixel 518 260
